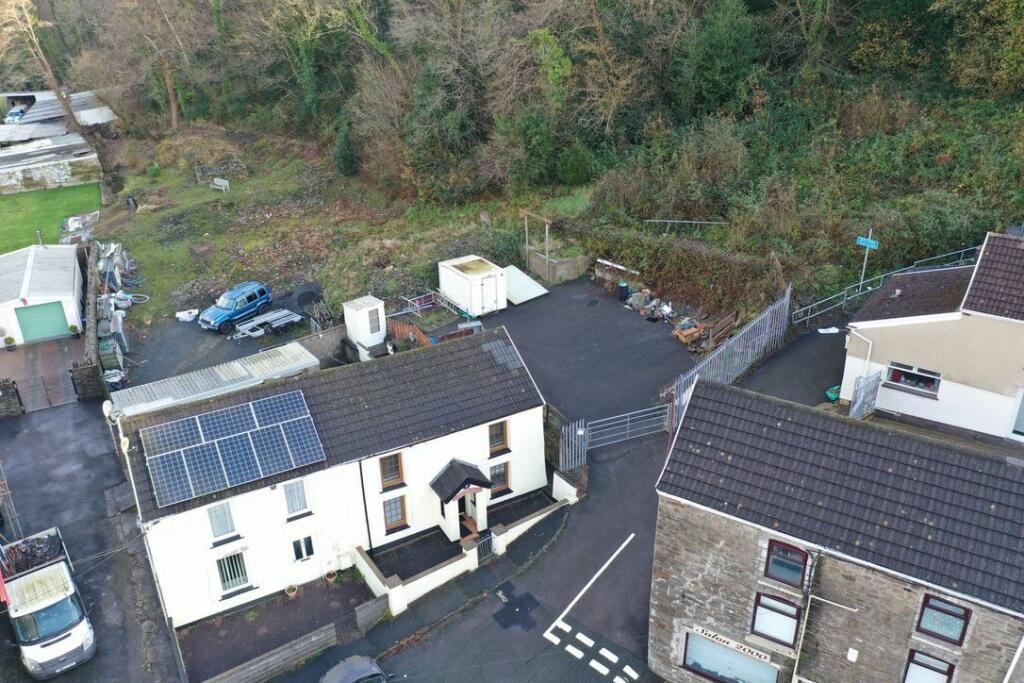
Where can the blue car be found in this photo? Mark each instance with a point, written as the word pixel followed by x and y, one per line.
pixel 238 303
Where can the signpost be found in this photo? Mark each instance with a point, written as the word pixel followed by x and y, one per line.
pixel 869 245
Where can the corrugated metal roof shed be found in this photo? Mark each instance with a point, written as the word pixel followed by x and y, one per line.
pixel 199 385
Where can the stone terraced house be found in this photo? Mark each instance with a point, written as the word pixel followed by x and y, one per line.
pixel 795 545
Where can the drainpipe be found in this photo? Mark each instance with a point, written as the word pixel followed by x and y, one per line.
pixel 1016 659
pixel 366 511
pixel 867 359
pixel 807 610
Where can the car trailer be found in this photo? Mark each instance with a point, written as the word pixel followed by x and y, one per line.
pixel 279 321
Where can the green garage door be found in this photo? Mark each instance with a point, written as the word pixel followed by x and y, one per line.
pixel 44 321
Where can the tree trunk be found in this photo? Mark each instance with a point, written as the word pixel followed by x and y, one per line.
pixel 172 94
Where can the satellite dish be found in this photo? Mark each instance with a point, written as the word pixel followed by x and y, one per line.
pixel 108 409
pixel 125 444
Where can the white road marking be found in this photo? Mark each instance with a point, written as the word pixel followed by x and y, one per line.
pixel 611 657
pixel 598 667
pixel 619 679
pixel 562 625
pixel 575 652
pixel 584 639
pixel 553 638
pixel 629 672
pixel 591 582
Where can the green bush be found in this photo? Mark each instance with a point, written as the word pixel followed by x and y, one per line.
pixel 153 171
pixel 575 165
pixel 346 152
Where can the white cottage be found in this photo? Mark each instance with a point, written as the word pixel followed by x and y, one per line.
pixel 40 293
pixel 948 344
pixel 277 485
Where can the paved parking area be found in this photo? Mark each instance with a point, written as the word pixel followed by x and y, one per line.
pixel 59 464
pixel 803 370
pixel 591 357
pixel 42 358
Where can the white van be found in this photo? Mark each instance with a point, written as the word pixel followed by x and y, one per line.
pixel 46 612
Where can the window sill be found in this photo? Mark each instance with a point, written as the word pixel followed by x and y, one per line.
pixel 769 644
pixel 225 541
pixel 939 643
pixel 396 529
pixel 236 593
pixel 910 390
pixel 393 487
pixel 300 515
pixel 500 452
pixel 501 494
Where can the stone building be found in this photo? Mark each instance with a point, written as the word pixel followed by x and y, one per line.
pixel 794 545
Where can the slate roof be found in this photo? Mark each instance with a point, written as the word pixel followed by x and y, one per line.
pixel 948 516
pixel 376 407
pixel 455 476
pixel 926 292
pixel 998 285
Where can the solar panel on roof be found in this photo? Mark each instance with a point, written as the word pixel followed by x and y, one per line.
pixel 204 469
pixel 278 409
pixel 271 451
pixel 170 479
pixel 170 436
pixel 227 422
pixel 303 441
pixel 223 448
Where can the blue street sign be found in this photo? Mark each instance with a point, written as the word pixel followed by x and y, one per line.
pixel 867 242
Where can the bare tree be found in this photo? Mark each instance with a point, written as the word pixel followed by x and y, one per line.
pixel 20 24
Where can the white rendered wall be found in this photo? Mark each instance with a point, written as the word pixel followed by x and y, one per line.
pixel 421 463
pixel 185 562
pixel 956 404
pixel 9 320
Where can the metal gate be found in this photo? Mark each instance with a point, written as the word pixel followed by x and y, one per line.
pixel 484 546
pixel 628 426
pixel 580 436
pixel 865 392
pixel 46 391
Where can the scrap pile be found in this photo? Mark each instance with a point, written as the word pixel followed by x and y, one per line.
pixel 78 229
pixel 117 271
pixel 700 332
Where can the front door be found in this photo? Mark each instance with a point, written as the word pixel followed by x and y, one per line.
pixel 462 506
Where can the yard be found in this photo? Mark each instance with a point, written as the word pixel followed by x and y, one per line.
pixel 44 210
pixel 292 219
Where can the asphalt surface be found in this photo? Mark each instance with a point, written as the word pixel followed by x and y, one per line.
pixel 803 370
pixel 58 463
pixel 590 356
pixel 501 637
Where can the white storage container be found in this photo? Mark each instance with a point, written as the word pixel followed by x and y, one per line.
pixel 474 284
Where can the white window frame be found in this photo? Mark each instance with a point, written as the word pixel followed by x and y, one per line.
pixel 907 368
pixel 374 320
pixel 305 548
pixel 245 580
pixel 292 486
pixel 215 509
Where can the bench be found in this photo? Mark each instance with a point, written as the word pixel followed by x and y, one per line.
pixel 220 184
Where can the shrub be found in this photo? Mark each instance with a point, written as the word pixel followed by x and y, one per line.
pixel 153 171
pixel 346 152
pixel 575 165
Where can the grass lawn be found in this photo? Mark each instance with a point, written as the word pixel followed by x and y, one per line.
pixel 26 212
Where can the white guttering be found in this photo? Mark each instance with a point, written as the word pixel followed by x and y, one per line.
pixel 849 558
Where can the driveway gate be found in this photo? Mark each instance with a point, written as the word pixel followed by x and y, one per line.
pixel 46 391
pixel 580 436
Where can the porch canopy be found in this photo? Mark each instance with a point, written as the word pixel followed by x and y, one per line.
pixel 456 476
